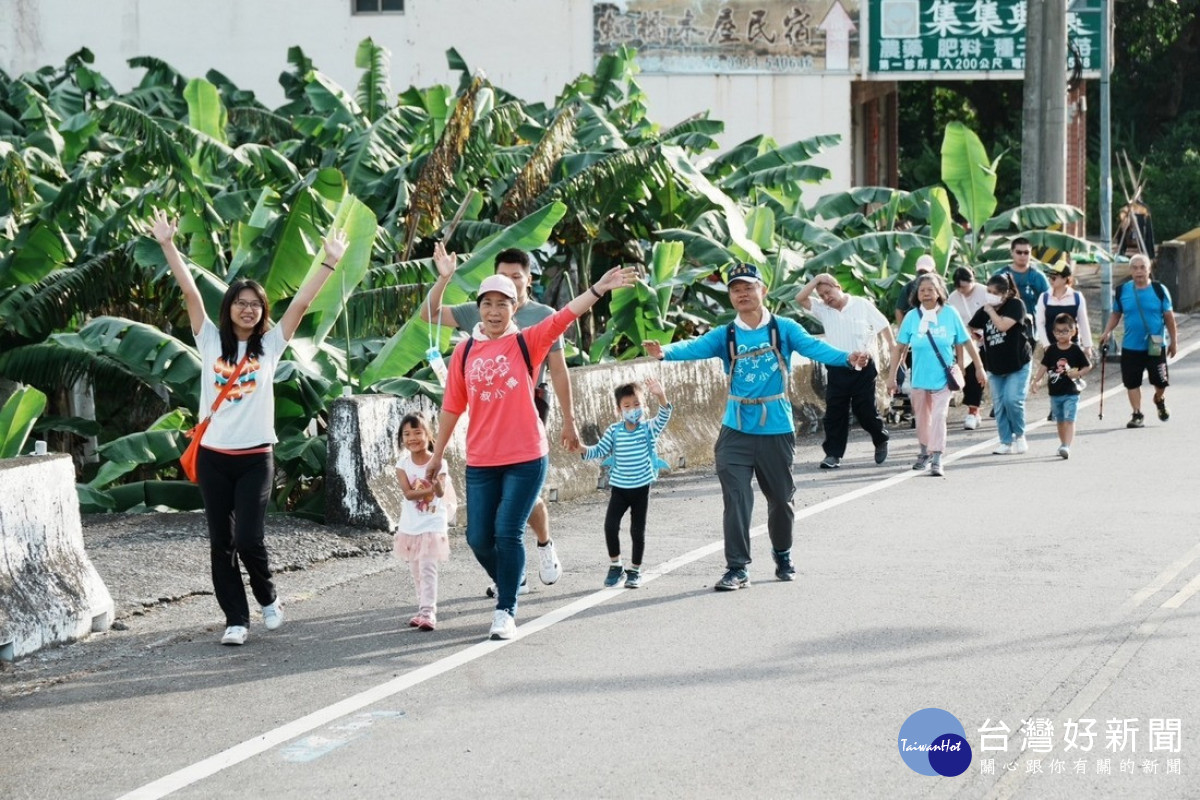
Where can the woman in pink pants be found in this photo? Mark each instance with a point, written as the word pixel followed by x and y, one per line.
pixel 937 337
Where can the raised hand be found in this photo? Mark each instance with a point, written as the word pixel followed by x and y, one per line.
pixel 616 278
pixel 163 229
pixel 335 245
pixel 656 389
pixel 445 262
pixel 653 349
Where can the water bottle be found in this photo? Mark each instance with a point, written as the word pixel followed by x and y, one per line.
pixel 434 357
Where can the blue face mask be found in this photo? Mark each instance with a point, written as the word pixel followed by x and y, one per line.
pixel 632 416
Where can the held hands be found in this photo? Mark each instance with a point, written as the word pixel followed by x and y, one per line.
pixel 859 359
pixel 162 228
pixel 570 437
pixel 616 278
pixel 892 386
pixel 653 349
pixel 445 262
pixel 433 467
pixel 335 246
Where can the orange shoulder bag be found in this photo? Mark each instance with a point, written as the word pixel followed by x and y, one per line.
pixel 188 459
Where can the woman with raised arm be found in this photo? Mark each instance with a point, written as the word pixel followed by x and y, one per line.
pixel 235 466
pixel 491 374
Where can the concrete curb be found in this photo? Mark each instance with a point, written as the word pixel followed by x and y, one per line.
pixel 49 590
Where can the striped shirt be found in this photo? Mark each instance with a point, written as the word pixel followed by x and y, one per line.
pixel 633 460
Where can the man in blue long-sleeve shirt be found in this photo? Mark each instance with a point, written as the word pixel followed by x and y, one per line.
pixel 758 431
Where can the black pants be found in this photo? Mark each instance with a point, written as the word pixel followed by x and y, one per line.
pixel 851 389
pixel 636 501
pixel 236 490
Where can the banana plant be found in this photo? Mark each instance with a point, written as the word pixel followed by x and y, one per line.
pixel 17 417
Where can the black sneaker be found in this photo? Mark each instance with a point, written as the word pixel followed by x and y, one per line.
pixel 881 452
pixel 831 462
pixel 614 576
pixel 523 589
pixel 633 578
pixel 784 569
pixel 1161 405
pixel 732 580
pixel 1136 421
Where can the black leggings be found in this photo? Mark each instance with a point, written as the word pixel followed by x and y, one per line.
pixel 236 490
pixel 636 500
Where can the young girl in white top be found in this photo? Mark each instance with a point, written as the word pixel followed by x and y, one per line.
pixel 422 539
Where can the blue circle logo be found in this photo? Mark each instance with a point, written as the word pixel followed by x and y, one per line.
pixel 934 742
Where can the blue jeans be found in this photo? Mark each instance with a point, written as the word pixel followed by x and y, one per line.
pixel 1008 395
pixel 499 500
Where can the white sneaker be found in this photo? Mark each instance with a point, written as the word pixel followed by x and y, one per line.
pixel 549 569
pixel 970 422
pixel 1064 451
pixel 234 635
pixel 522 589
pixel 1003 449
pixel 1020 445
pixel 273 615
pixel 503 625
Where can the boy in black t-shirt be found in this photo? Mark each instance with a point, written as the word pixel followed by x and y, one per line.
pixel 1066 363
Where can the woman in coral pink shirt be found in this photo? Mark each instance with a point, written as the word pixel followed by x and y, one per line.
pixel 506 443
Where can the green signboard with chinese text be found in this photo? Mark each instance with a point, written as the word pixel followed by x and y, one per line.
pixel 921 39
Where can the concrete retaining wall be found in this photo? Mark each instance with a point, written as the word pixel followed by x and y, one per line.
pixel 360 472
pixel 1177 265
pixel 49 590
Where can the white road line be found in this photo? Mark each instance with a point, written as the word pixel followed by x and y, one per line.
pixel 273 738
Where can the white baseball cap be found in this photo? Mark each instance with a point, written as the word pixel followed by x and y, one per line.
pixel 497 283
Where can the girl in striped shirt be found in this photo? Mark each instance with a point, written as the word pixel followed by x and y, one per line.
pixel 628 446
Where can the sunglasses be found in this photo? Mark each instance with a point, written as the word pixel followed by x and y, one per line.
pixel 1021 252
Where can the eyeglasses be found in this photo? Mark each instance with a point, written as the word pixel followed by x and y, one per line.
pixel 244 305
pixel 1021 252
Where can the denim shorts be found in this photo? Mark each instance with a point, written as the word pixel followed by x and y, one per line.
pixel 1064 407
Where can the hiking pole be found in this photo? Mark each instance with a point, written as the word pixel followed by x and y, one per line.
pixel 1103 364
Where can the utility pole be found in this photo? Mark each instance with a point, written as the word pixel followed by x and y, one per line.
pixel 1031 113
pixel 1044 125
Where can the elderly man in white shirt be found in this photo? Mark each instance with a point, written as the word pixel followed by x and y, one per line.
pixel 851 324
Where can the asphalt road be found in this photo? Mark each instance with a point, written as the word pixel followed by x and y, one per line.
pixel 1016 588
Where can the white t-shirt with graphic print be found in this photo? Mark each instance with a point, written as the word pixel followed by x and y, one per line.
pixel 246 417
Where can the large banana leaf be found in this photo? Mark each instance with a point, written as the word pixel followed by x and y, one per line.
pixel 968 175
pixel 1032 215
pixel 872 248
pixel 145 352
pixel 780 167
pixel 638 313
pixel 206 112
pixel 35 254
pixel 941 228
pixel 358 223
pixel 17 416
pixel 406 349
pixel 686 173
pixel 375 85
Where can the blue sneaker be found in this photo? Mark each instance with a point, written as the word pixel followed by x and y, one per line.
pixel 732 580
pixel 784 569
pixel 633 578
pixel 615 573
